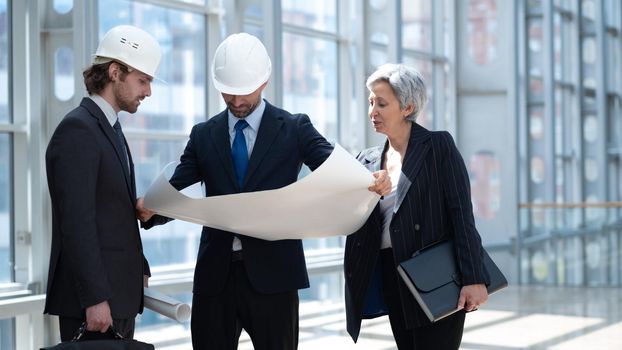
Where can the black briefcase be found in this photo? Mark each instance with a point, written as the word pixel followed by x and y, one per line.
pixel 118 343
pixel 433 277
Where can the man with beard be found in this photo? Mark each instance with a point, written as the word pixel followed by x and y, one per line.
pixel 242 282
pixel 97 267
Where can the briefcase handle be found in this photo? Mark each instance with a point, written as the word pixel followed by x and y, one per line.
pixel 82 330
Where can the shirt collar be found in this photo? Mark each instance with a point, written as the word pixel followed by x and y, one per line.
pixel 106 107
pixel 253 119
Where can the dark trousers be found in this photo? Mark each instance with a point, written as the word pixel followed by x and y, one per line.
pixel 445 334
pixel 69 327
pixel 271 320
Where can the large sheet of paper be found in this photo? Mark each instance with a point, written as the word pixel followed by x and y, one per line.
pixel 167 306
pixel 333 200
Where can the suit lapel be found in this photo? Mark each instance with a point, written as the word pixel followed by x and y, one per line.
pixel 418 147
pixel 268 130
pixel 222 144
pixel 111 135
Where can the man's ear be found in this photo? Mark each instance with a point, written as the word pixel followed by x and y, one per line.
pixel 113 71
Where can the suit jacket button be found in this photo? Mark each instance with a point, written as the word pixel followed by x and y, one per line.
pixel 358 244
pixel 416 227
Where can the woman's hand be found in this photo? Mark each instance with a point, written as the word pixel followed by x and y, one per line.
pixel 382 183
pixel 472 297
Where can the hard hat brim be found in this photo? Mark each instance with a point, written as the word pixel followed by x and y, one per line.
pixel 225 89
pixel 97 59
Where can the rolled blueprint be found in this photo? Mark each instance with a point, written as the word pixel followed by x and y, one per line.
pixel 333 200
pixel 167 306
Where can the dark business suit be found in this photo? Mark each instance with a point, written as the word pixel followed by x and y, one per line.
pixel 433 202
pixel 284 142
pixel 96 247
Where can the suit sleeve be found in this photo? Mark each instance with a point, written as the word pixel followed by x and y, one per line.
pixel 186 173
pixel 313 146
pixel 457 192
pixel 75 173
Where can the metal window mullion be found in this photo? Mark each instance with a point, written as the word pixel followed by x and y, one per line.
pixel 184 6
pixel 601 101
pixel 273 40
pixel 451 59
pixel 345 77
pixel 437 68
pixel 310 32
pixel 548 79
pixel 425 55
pixel 212 40
pixel 397 34
pixel 548 153
pixel 522 98
pixel 19 89
pixel 155 135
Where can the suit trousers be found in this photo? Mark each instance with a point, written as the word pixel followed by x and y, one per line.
pixel 69 327
pixel 271 320
pixel 445 334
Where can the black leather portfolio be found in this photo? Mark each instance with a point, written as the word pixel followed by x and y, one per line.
pixel 433 277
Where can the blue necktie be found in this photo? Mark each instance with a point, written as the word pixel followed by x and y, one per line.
pixel 239 152
pixel 121 143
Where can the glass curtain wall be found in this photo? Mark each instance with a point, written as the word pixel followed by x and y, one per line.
pixel 570 208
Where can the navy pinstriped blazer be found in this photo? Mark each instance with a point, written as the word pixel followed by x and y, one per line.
pixel 433 203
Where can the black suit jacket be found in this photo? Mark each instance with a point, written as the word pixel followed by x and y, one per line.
pixel 433 203
pixel 284 142
pixel 96 247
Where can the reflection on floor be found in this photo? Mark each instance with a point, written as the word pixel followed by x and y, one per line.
pixel 534 318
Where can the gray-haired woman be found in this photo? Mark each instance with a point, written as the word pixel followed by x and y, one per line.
pixel 430 201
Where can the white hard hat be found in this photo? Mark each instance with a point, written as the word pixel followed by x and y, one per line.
pixel 131 46
pixel 241 64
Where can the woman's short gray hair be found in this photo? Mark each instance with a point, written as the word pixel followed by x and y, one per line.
pixel 407 84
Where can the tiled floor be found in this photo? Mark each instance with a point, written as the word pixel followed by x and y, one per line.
pixel 535 318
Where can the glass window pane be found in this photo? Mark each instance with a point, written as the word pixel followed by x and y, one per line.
pixel 417 27
pixel 482 27
pixel 63 73
pixel 7 333
pixel 589 56
pixel 310 81
pixel 179 102
pixel 253 11
pixel 535 46
pixel 485 185
pixel 178 241
pixel 6 166
pixel 377 57
pixel 4 62
pixel 63 6
pixel 426 118
pixel 614 72
pixel 319 15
